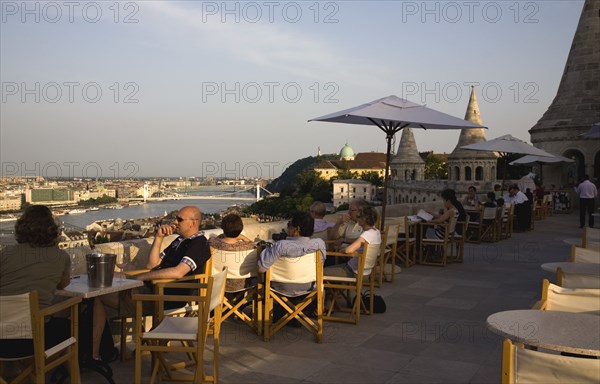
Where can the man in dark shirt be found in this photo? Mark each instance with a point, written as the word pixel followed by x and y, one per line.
pixel 186 255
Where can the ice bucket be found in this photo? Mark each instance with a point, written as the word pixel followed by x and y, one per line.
pixel 100 269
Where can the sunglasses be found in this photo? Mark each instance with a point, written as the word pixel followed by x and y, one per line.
pixel 180 219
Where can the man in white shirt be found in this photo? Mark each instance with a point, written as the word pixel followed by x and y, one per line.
pixel 587 192
pixel 522 207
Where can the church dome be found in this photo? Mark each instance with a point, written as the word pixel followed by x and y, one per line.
pixel 346 153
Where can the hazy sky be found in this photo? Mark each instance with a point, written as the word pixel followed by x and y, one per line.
pixel 193 88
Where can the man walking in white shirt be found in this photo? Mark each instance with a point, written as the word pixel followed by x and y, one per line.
pixel 587 192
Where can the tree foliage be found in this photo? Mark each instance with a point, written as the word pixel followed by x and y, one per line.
pixel 436 167
pixel 104 199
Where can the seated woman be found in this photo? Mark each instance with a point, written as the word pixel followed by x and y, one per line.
pixel 35 263
pixel 454 209
pixel 232 240
pixel 367 217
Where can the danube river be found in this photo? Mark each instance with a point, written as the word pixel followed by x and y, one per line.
pixel 150 209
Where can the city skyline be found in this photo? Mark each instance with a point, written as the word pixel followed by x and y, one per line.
pixel 225 89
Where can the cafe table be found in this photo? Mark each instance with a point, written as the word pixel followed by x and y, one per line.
pixel 79 287
pixel 559 331
pixel 569 267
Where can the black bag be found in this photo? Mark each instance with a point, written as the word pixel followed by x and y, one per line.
pixel 108 351
pixel 378 302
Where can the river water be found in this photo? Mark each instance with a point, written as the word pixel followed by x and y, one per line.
pixel 150 209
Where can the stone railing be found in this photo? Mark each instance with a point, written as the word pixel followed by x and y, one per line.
pixel 138 249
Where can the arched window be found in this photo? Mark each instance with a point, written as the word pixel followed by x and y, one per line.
pixel 479 173
pixel 467 173
pixel 456 173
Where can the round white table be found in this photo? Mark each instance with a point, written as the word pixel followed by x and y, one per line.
pixel 559 331
pixel 583 268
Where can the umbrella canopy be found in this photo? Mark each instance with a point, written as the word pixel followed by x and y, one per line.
pixel 532 159
pixel 506 145
pixel 592 133
pixel 391 114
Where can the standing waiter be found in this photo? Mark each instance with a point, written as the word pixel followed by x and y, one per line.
pixel 587 192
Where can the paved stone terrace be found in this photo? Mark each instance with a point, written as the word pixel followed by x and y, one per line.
pixel 433 331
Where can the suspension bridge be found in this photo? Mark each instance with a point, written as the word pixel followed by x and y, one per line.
pixel 257 190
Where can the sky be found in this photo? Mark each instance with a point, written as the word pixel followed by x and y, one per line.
pixel 226 89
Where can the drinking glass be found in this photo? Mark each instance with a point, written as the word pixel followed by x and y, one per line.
pixel 74 264
pixel 122 261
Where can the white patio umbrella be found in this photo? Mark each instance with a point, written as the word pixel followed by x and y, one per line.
pixel 506 145
pixel 592 133
pixel 541 160
pixel 391 114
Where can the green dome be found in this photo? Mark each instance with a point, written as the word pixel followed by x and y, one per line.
pixel 346 152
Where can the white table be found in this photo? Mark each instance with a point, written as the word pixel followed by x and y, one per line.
pixel 79 287
pixel 582 268
pixel 555 330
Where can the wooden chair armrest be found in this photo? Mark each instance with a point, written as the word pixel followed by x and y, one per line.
pixel 59 306
pixel 177 284
pixel 540 304
pixel 200 276
pixel 341 254
pixel 136 272
pixel 182 298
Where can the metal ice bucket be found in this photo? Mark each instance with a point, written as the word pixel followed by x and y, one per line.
pixel 100 269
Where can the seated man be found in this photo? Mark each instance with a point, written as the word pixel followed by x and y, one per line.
pixel 522 207
pixel 471 198
pixel 321 230
pixel 186 255
pixel 298 243
pixel 347 228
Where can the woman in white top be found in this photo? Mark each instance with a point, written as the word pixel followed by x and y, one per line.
pixel 370 235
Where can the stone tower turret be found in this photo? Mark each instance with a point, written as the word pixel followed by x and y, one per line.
pixel 407 164
pixel 577 103
pixel 465 165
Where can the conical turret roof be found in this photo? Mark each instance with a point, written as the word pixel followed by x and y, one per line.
pixel 472 135
pixel 577 103
pixel 407 149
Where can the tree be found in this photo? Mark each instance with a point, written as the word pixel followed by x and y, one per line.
pixel 436 167
pixel 373 178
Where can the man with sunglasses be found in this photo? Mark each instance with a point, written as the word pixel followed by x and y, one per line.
pixel 186 255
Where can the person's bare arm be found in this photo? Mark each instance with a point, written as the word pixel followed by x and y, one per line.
pixel 154 255
pixel 176 272
pixel 355 246
pixel 65 280
pixel 442 218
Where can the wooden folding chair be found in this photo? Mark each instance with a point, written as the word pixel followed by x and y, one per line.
pixel 304 269
pixel 520 365
pixel 407 249
pixel 591 238
pixel 557 298
pixel 190 332
pixel 584 255
pixel 577 280
pixel 507 222
pixel 21 318
pixel 475 226
pixel 241 265
pixel 434 251
pixel 186 310
pixel 457 242
pixel 387 252
pixel 349 289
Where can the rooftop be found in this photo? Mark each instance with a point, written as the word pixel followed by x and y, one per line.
pixel 433 331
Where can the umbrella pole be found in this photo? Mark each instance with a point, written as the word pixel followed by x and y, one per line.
pixel 388 155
